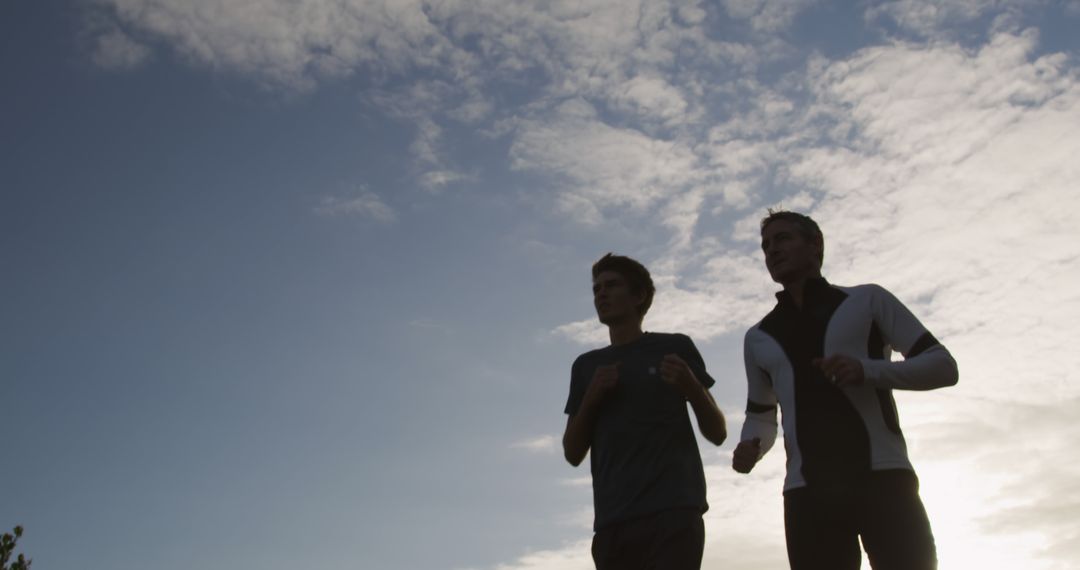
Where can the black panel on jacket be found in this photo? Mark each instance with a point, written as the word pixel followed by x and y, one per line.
pixel 833 440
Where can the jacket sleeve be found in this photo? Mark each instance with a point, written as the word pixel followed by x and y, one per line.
pixel 927 363
pixel 761 400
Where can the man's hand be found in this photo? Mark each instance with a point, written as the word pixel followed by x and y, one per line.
pixel 841 370
pixel 676 371
pixel 746 455
pixel 604 381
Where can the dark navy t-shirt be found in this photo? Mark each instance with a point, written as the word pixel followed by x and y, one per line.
pixel 644 456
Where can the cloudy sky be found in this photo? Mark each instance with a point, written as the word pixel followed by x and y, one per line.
pixel 298 283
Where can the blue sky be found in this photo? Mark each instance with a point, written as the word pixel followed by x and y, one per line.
pixel 298 283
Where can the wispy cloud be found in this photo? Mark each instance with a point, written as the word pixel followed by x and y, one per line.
pixel 742 508
pixel 768 16
pixel 937 18
pixel 431 325
pixel 575 556
pixel 542 444
pixel 1006 512
pixel 421 104
pixel 907 161
pixel 289 43
pixel 944 173
pixel 601 167
pixel 726 295
pixel 114 49
pixel 621 55
pixel 365 204
pixel 954 190
pixel 944 170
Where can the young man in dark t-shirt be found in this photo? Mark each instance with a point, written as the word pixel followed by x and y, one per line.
pixel 627 405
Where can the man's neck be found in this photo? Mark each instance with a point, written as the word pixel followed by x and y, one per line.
pixel 796 288
pixel 624 333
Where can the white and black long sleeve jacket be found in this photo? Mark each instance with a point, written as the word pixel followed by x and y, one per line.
pixel 834 435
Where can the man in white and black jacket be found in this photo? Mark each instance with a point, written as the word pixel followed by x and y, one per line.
pixel 823 354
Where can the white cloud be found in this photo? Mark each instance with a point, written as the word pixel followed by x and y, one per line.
pixel 436 180
pixel 575 556
pixel 929 18
pixel 1019 479
pixel 741 527
pixel 947 143
pixel 293 44
pixel 425 146
pixel 763 113
pixel 602 166
pixel 586 331
pixel 578 482
pixel 543 443
pixel 691 14
pixel 767 16
pixel 617 54
pixel 731 292
pixel 651 97
pixel 582 517
pixel 955 192
pixel 585 47
pixel 365 204
pixel 114 49
pixel 948 175
pixel 418 103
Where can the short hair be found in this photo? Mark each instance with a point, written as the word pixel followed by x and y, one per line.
pixel 636 276
pixel 807 226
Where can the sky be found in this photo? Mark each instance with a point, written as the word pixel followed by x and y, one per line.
pixel 298 283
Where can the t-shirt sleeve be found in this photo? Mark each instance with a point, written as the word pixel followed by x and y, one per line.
pixel 690 354
pixel 578 384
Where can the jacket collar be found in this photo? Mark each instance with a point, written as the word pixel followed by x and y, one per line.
pixel 811 292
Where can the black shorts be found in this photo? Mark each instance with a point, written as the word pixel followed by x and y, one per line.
pixel 668 540
pixel 823 526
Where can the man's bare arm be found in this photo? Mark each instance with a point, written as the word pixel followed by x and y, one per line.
pixel 709 417
pixel 579 427
pixel 577 439
pixel 677 372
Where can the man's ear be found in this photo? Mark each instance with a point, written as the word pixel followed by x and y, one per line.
pixel 819 243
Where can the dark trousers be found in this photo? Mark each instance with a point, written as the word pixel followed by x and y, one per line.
pixel 668 540
pixel 823 525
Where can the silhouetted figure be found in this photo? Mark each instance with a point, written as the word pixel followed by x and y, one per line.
pixel 823 353
pixel 628 405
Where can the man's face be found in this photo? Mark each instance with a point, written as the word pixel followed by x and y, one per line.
pixel 789 255
pixel 613 300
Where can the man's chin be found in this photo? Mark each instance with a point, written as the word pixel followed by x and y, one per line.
pixel 611 320
pixel 787 277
